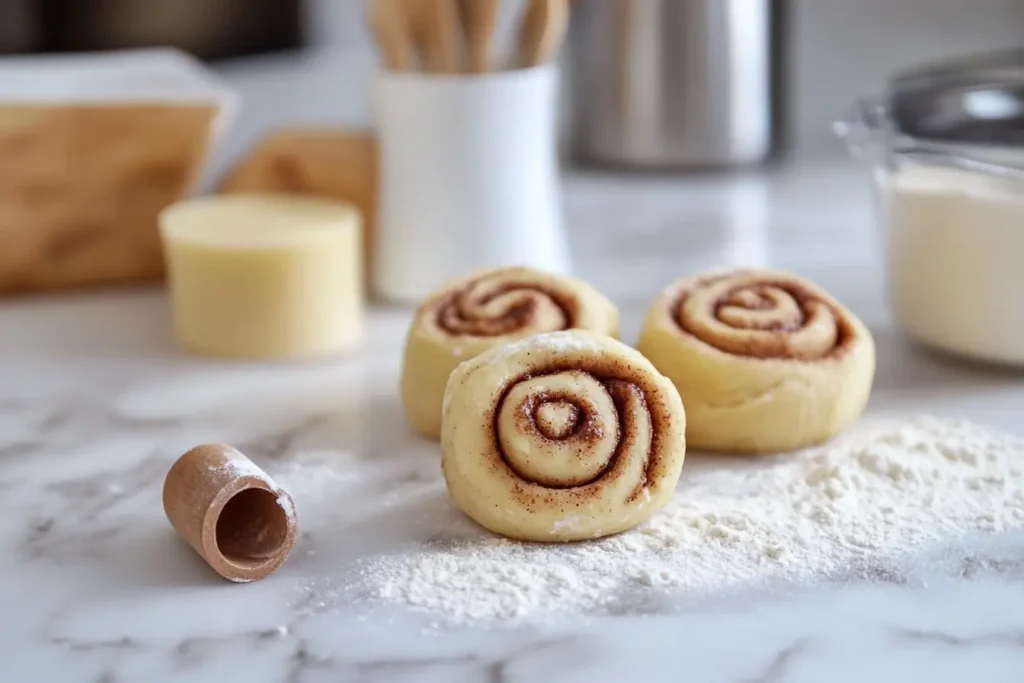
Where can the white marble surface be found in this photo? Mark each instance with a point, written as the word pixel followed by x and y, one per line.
pixel 96 402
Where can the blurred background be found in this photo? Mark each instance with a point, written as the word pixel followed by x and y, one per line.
pixel 826 52
pixel 684 86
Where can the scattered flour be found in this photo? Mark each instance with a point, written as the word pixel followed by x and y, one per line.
pixel 309 473
pixel 285 503
pixel 560 341
pixel 239 465
pixel 811 514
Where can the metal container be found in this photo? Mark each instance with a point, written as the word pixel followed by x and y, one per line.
pixel 674 83
pixel 945 149
pixel 208 29
pixel 19 26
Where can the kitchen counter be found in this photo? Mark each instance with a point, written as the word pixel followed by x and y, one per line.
pixel 96 402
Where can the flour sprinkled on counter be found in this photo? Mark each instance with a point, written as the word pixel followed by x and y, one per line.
pixel 867 498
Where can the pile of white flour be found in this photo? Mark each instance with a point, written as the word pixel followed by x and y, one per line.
pixel 816 513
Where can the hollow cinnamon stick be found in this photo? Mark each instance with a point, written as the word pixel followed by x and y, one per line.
pixel 230 511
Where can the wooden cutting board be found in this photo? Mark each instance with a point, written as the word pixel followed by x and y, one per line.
pixel 81 188
pixel 326 162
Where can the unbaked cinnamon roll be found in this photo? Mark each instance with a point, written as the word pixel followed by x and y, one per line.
pixel 765 361
pixel 562 436
pixel 486 309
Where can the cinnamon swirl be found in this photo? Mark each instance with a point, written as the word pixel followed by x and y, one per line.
pixel 562 436
pixel 765 361
pixel 483 310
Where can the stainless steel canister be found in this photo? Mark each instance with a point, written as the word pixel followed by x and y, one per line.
pixel 684 83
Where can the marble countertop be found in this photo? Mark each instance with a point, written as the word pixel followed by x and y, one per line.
pixel 96 402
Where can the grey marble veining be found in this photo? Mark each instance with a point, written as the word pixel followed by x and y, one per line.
pixel 96 402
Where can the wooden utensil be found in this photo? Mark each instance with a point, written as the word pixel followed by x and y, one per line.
pixel 436 30
pixel 331 162
pixel 479 18
pixel 542 31
pixel 390 22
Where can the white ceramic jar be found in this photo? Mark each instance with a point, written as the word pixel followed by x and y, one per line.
pixel 468 177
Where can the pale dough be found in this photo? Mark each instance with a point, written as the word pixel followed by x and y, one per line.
pixel 485 309
pixel 765 361
pixel 562 436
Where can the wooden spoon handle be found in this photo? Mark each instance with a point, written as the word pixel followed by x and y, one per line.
pixel 390 24
pixel 437 27
pixel 479 17
pixel 542 31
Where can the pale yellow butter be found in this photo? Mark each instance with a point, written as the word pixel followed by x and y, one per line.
pixel 264 276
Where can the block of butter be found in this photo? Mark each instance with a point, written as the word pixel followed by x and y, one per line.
pixel 264 276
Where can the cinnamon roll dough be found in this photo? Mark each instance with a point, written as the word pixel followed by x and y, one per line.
pixel 765 361
pixel 485 309
pixel 562 436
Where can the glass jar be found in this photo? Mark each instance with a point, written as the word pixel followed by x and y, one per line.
pixel 945 150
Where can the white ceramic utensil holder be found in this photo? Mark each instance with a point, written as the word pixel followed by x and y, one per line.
pixel 468 177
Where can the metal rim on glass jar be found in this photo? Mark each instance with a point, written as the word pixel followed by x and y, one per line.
pixel 966 113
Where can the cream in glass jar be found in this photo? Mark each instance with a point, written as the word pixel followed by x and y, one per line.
pixel 945 145
pixel 955 259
